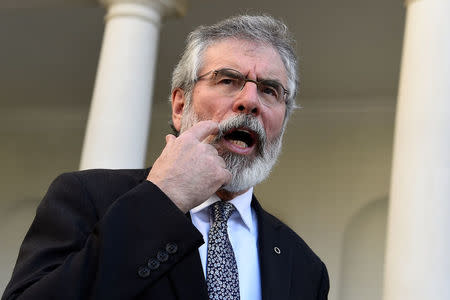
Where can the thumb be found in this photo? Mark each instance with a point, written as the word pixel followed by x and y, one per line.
pixel 170 138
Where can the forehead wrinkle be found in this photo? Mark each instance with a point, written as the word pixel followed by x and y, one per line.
pixel 261 63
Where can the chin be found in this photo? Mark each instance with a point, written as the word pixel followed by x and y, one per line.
pixel 246 172
pixel 249 171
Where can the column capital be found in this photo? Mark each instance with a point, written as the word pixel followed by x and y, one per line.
pixel 163 7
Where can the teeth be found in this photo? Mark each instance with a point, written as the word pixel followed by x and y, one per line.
pixel 239 143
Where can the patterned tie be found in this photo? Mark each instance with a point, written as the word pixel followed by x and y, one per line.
pixel 221 268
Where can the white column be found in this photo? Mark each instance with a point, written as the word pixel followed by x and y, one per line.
pixel 119 118
pixel 417 263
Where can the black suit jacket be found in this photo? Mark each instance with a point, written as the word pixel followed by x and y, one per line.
pixel 94 230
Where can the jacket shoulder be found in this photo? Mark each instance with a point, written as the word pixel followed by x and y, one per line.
pixel 100 187
pixel 109 175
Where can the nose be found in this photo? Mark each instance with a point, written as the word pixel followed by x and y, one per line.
pixel 247 101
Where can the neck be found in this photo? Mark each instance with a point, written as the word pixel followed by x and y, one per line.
pixel 227 195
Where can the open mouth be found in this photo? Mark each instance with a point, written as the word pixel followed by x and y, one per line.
pixel 241 137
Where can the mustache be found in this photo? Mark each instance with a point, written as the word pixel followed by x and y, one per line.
pixel 245 122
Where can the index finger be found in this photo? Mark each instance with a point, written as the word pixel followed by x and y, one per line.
pixel 203 129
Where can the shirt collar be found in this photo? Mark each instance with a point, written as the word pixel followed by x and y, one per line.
pixel 241 202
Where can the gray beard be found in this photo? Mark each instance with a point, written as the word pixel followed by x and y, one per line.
pixel 246 171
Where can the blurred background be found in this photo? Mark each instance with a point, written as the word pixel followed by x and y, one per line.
pixel 331 184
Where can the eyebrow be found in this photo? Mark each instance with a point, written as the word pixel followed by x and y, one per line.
pixel 270 81
pixel 258 79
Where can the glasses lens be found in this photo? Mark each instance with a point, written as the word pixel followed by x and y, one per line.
pixel 228 81
pixel 270 92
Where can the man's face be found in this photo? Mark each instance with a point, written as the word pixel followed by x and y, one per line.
pixel 250 138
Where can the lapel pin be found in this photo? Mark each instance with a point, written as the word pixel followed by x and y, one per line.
pixel 277 250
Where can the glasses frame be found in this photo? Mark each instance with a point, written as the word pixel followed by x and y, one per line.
pixel 257 82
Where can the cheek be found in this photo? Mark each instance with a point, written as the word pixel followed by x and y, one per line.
pixel 201 104
pixel 208 106
pixel 274 123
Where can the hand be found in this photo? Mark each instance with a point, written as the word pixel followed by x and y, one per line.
pixel 189 170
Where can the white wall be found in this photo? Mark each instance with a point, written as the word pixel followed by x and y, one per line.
pixel 364 252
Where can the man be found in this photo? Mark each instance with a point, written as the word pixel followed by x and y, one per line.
pixel 189 227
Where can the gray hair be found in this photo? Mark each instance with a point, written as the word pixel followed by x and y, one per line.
pixel 262 29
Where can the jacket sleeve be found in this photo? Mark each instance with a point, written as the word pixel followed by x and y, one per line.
pixel 70 252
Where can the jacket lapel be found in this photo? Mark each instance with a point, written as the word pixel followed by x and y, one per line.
pixel 275 256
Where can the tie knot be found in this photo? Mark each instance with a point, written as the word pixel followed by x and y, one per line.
pixel 221 211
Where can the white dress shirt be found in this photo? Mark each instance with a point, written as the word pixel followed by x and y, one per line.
pixel 243 234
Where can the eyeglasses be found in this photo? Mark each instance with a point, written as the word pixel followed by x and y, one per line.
pixel 230 82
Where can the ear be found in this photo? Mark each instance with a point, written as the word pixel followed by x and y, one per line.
pixel 178 100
